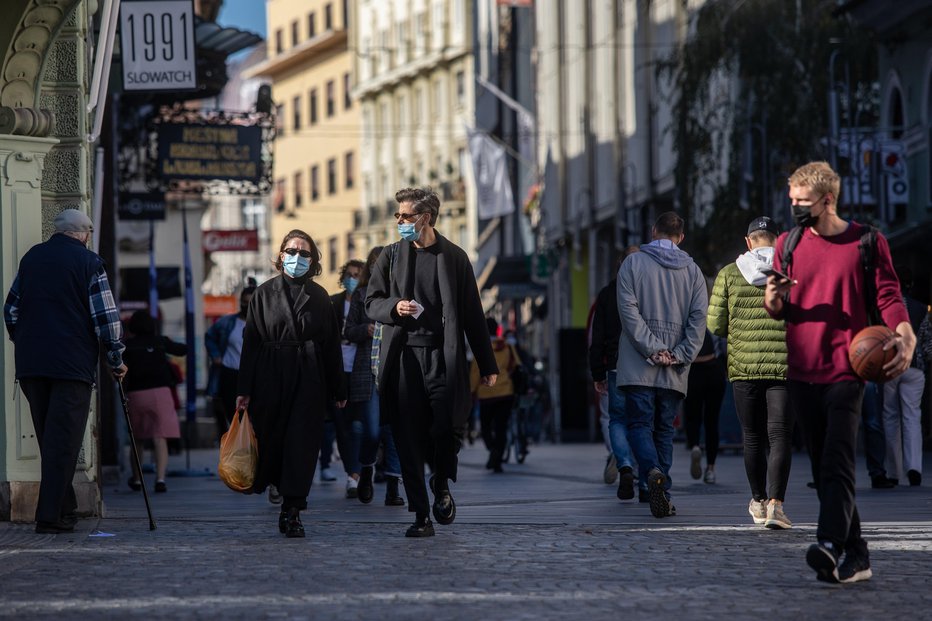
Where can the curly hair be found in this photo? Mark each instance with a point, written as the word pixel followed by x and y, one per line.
pixel 818 177
pixel 424 200
pixel 345 268
pixel 314 269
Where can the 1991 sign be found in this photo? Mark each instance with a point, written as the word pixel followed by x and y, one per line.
pixel 157 43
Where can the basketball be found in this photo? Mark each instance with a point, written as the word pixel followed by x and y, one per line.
pixel 866 353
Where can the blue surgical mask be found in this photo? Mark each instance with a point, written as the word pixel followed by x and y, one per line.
pixel 408 232
pixel 350 284
pixel 295 266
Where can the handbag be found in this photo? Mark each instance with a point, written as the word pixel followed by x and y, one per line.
pixel 376 352
pixel 239 455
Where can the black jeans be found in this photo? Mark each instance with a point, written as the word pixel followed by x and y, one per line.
pixel 494 414
pixel 59 413
pixel 765 420
pixel 704 394
pixel 423 427
pixel 829 414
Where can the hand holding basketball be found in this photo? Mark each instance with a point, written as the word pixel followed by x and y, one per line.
pixel 867 354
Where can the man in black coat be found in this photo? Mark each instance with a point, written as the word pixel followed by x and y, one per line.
pixel 423 290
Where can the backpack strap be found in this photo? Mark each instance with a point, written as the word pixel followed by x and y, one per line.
pixel 867 247
pixel 789 245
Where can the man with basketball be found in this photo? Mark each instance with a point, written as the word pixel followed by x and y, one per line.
pixel 825 303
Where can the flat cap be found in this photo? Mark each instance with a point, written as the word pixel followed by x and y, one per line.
pixel 73 221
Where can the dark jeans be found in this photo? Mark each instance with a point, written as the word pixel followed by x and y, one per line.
pixel 423 427
pixel 765 420
pixel 704 396
pixel 494 414
pixel 59 413
pixel 649 414
pixel 875 439
pixel 829 414
pixel 340 426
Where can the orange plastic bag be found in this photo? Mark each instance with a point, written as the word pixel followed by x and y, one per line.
pixel 239 455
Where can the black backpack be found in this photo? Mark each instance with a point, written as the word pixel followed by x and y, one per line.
pixel 867 247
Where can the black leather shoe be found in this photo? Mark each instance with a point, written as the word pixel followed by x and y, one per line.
pixel 444 506
pixel 643 495
pixel 160 487
pixel 626 483
pixel 69 520
pixel 364 490
pixel 294 527
pixel 134 484
pixel 882 482
pixel 392 497
pixel 915 478
pixel 422 527
pixel 283 521
pixel 54 528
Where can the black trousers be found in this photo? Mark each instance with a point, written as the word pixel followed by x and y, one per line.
pixel 494 414
pixel 423 426
pixel 59 413
pixel 829 414
pixel 703 403
pixel 765 421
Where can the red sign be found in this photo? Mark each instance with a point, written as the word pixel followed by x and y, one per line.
pixel 219 305
pixel 246 240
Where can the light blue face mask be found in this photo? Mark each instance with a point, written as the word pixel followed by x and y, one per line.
pixel 295 266
pixel 408 231
pixel 350 284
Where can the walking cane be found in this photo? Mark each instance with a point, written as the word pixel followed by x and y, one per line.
pixel 132 442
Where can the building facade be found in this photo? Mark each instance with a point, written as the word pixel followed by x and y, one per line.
pixel 310 67
pixel 414 84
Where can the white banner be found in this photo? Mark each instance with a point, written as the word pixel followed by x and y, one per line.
pixel 157 45
pixel 493 185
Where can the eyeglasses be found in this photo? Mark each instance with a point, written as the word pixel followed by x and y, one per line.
pixel 407 217
pixel 293 251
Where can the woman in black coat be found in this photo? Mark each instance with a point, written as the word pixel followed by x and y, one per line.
pixel 290 367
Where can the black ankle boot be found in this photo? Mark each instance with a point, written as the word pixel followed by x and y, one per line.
pixel 294 527
pixel 444 507
pixel 283 521
pixel 422 527
pixel 392 497
pixel 364 490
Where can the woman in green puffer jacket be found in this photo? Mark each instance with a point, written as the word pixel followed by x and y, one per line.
pixel 757 370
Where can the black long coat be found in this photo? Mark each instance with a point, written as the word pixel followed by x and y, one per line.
pixel 462 315
pixel 290 367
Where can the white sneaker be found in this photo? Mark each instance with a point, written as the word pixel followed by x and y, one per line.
pixel 776 518
pixel 274 497
pixel 352 486
pixel 758 510
pixel 709 476
pixel 327 475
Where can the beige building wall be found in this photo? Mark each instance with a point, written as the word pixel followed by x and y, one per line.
pixel 317 150
pixel 415 88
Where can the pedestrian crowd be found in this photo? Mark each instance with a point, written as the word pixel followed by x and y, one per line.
pixel 395 367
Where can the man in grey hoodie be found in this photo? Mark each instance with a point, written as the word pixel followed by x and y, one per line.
pixel 662 302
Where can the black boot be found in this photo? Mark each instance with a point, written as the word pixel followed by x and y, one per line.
pixel 294 527
pixel 444 506
pixel 283 521
pixel 421 528
pixel 364 490
pixel 392 497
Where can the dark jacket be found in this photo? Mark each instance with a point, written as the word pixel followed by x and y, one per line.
pixel 215 340
pixel 606 330
pixel 290 367
pixel 55 335
pixel 356 330
pixel 146 355
pixel 339 305
pixel 462 315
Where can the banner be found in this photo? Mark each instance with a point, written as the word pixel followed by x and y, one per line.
pixel 200 152
pixel 139 206
pixel 493 184
pixel 245 240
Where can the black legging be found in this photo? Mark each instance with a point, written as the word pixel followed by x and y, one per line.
pixel 765 419
pixel 704 396
pixel 494 414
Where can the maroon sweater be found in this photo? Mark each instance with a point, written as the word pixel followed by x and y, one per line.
pixel 827 306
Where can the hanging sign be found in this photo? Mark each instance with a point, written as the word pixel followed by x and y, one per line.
pixel 245 240
pixel 157 45
pixel 136 206
pixel 206 152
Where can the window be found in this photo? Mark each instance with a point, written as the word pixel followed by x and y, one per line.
pixel 328 17
pixel 280 119
pixel 294 33
pixel 347 94
pixel 438 98
pixel 418 103
pixel 278 200
pixel 402 111
pixel 296 112
pixel 312 106
pixel 315 182
pixel 298 184
pixel 460 88
pixel 331 99
pixel 345 14
pixel 332 176
pixel 332 254
pixel 251 212
pixel 279 41
pixel 350 243
pixel 311 25
pixel 348 169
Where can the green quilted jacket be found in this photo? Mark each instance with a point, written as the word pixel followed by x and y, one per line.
pixel 756 342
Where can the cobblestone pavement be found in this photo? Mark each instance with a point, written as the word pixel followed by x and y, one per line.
pixel 546 540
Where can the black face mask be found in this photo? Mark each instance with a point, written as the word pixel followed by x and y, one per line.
pixel 802 214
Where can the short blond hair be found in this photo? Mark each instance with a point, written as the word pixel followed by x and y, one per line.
pixel 818 177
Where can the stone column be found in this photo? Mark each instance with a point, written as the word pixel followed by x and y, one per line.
pixel 22 159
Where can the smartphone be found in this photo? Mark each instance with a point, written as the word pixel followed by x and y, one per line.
pixel 772 272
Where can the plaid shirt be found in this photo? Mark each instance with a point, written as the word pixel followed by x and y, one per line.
pixel 104 315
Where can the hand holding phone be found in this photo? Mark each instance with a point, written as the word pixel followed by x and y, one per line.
pixel 772 272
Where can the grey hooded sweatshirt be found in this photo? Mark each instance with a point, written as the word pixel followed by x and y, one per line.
pixel 662 302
